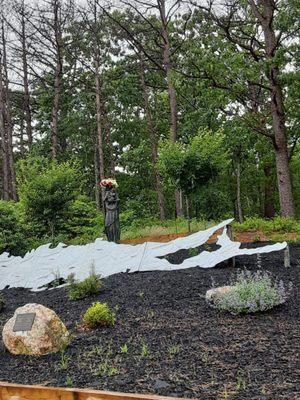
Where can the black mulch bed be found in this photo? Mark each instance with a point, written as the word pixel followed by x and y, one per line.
pixel 177 345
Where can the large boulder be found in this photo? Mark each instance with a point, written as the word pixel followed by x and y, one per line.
pixel 43 332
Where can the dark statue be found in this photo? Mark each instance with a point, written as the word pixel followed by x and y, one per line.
pixel 112 223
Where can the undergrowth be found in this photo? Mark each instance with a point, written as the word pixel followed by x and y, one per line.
pixel 277 229
pixel 153 227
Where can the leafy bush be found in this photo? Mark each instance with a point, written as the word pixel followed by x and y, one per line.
pixel 82 220
pixel 79 290
pixel 12 235
pixel 47 196
pixel 252 292
pixel 192 166
pixel 98 314
pixel 213 202
pixel 278 224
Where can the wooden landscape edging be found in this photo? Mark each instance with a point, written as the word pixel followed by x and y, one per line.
pixel 11 391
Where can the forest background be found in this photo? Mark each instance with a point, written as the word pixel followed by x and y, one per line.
pixel 193 106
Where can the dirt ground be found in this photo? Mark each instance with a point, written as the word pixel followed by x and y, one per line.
pixel 243 237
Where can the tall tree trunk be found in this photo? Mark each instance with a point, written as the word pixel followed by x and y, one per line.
pixel 284 179
pixel 7 120
pixel 269 190
pixel 22 147
pixel 5 173
pixel 171 90
pixel 26 105
pixel 57 77
pixel 99 126
pixel 238 193
pixel 96 169
pixel 168 70
pixel 106 124
pixel 153 140
pixel 277 107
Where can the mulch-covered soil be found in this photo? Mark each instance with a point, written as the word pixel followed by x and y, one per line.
pixel 176 344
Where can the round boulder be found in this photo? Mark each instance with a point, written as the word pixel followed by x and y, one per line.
pixel 34 330
pixel 215 294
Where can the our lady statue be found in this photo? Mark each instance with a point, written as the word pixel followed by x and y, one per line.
pixel 111 207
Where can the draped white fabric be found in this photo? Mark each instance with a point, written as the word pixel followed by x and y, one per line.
pixel 41 266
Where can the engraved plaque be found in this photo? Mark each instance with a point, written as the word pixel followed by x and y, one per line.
pixel 24 322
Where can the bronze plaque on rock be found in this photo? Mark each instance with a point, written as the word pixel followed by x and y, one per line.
pixel 24 322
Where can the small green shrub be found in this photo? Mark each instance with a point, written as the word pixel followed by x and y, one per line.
pixel 252 292
pixel 79 290
pixel 12 235
pixel 99 314
pixel 192 252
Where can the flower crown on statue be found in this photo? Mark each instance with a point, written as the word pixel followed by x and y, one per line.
pixel 109 183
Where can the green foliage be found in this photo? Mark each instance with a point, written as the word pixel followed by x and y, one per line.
pixel 51 208
pixel 12 235
pixel 252 292
pixel 98 315
pixel 149 227
pixel 192 252
pixel 145 351
pixel 127 219
pixel 88 287
pixel 47 196
pixel 69 382
pixel 64 361
pixel 213 201
pixel 192 166
pixel 278 224
pixel 83 223
pixel 124 349
pixel 213 93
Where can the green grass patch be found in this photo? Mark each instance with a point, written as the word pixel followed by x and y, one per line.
pixel 144 228
pixel 278 224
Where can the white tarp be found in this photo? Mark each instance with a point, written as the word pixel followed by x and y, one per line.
pixel 41 266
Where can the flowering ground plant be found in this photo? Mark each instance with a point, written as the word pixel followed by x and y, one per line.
pixel 109 183
pixel 253 292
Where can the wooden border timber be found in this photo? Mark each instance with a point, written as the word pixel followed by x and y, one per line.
pixel 11 391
